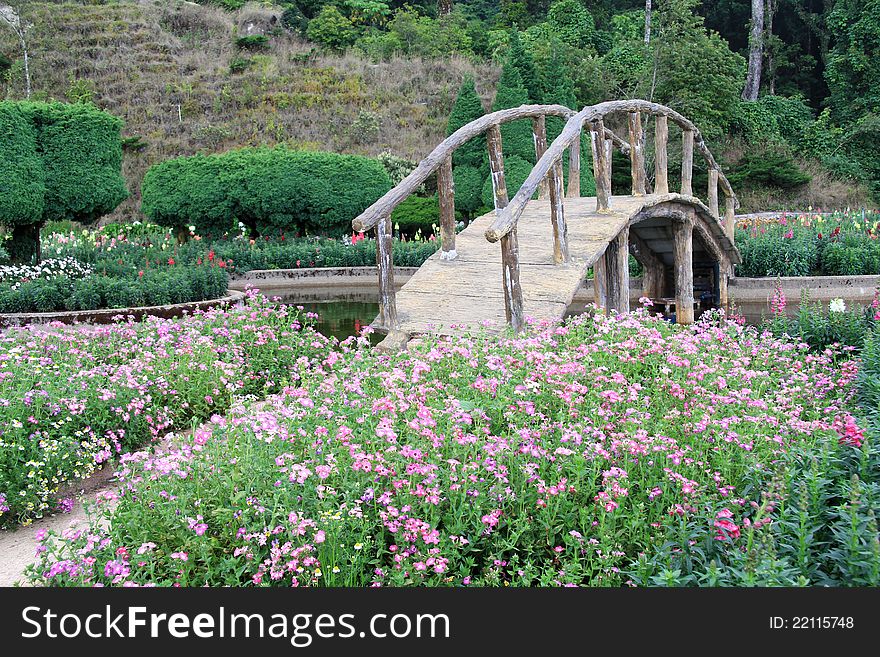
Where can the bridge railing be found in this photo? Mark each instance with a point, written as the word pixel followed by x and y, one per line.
pixel 378 216
pixel 503 228
pixel 546 178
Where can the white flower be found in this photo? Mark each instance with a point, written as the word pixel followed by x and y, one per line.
pixel 837 306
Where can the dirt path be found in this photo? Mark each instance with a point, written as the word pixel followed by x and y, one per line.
pixel 18 546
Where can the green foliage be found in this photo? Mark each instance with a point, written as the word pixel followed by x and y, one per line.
pixel 331 29
pixel 521 60
pixel 516 136
pixel 410 33
pixel 767 169
pixel 239 64
pixel 58 161
pixel 252 42
pixel 270 190
pixel 468 190
pixel 852 75
pixel 467 108
pixel 572 23
pixel 417 214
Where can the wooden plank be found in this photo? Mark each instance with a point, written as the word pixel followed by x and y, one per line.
pixel 446 195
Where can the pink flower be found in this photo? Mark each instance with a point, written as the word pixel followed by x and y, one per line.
pixel 146 547
pixel 320 536
pixel 182 556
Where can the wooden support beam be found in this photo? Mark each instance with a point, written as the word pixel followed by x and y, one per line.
pixel 600 283
pixel 539 135
pixel 574 169
pixel 687 163
pixel 661 163
pixel 730 216
pixel 446 196
pixel 557 216
pixel 600 166
pixel 713 192
pixel 513 296
pixel 724 271
pixel 609 160
pixel 617 270
pixel 683 258
pixel 636 154
pixel 653 268
pixel 385 262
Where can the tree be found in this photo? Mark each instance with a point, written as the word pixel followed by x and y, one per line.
pixel 852 73
pixel 573 24
pixel 11 13
pixel 59 162
pixel 467 108
pixel 647 22
pixel 756 52
pixel 522 61
pixel 516 136
pixel 331 29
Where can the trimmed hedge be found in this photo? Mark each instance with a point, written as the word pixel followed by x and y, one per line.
pixel 270 190
pixel 57 161
pixel 155 288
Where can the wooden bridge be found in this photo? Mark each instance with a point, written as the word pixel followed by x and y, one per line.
pixel 548 244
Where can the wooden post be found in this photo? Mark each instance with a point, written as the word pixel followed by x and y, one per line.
pixel 730 216
pixel 713 192
pixel 636 154
pixel 661 164
pixel 385 262
pixel 513 299
pixel 723 279
pixel 557 215
pixel 683 259
pixel 653 267
pixel 574 168
pixel 539 134
pixel 617 269
pixel 600 283
pixel 446 195
pixel 597 143
pixel 687 163
pixel 609 159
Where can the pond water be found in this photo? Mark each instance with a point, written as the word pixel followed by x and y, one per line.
pixel 342 316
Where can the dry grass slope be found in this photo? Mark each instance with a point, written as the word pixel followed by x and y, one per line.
pixel 164 67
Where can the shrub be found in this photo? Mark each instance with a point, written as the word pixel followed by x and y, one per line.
pixel 57 161
pixel 417 213
pixel 467 108
pixel 271 190
pixel 768 169
pixel 252 42
pixel 468 190
pixel 240 64
pixel 331 29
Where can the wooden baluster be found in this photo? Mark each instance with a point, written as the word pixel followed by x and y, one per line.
pixel 557 215
pixel 513 300
pixel 597 144
pixel 609 153
pixel 653 267
pixel 600 283
pixel 730 215
pixel 713 192
pixel 574 168
pixel 661 163
pixel 683 259
pixel 617 272
pixel 724 271
pixel 636 154
pixel 385 261
pixel 539 134
pixel 446 195
pixel 687 163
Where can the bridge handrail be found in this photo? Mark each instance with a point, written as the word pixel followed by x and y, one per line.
pixel 507 217
pixel 384 206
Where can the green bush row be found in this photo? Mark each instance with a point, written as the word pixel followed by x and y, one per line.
pixel 269 190
pixel 153 288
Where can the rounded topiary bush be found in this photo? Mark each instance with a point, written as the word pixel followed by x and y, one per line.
pixel 270 190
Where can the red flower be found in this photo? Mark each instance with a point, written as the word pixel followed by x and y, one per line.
pixel 141 273
pixel 211 255
pixel 221 264
pixel 170 261
pixel 199 261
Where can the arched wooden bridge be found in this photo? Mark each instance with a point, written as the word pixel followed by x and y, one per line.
pixel 548 244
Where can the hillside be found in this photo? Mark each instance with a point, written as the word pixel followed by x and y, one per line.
pixel 164 67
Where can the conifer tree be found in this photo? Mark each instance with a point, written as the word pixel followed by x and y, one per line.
pixel 516 137
pixel 522 60
pixel 467 108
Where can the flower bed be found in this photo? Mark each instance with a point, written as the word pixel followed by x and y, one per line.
pixel 605 451
pixel 73 397
pixel 805 244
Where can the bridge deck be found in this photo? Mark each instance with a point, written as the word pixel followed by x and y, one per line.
pixel 445 296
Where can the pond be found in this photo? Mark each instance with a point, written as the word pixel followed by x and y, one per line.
pixel 341 316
